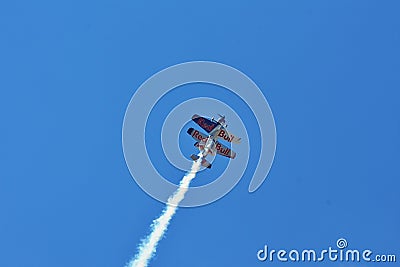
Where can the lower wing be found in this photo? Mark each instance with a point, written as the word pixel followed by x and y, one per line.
pixel 224 151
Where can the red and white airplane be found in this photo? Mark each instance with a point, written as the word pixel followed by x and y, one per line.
pixel 208 143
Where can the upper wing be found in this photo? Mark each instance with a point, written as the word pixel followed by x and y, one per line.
pixel 225 135
pixel 224 151
pixel 204 123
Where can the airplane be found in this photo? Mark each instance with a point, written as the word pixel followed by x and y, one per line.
pixel 208 143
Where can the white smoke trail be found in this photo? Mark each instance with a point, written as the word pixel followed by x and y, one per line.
pixel 149 245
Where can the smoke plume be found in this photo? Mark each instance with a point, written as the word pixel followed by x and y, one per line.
pixel 159 226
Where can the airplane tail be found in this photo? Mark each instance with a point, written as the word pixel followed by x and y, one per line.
pixel 204 162
pixel 194 157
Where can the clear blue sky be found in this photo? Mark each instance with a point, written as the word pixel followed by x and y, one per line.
pixel 329 69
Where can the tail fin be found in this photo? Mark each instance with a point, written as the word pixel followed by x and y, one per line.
pixel 194 157
pixel 204 162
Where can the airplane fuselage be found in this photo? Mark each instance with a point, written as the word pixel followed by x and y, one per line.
pixel 210 142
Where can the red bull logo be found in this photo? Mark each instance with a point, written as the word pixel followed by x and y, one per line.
pixel 203 124
pixel 224 135
pixel 196 134
pixel 223 150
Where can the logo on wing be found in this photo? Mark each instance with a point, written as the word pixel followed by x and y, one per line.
pixel 228 137
pixel 203 123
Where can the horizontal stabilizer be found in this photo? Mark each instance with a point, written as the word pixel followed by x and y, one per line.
pixel 204 162
pixel 194 157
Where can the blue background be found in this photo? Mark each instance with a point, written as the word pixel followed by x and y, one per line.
pixel 329 69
